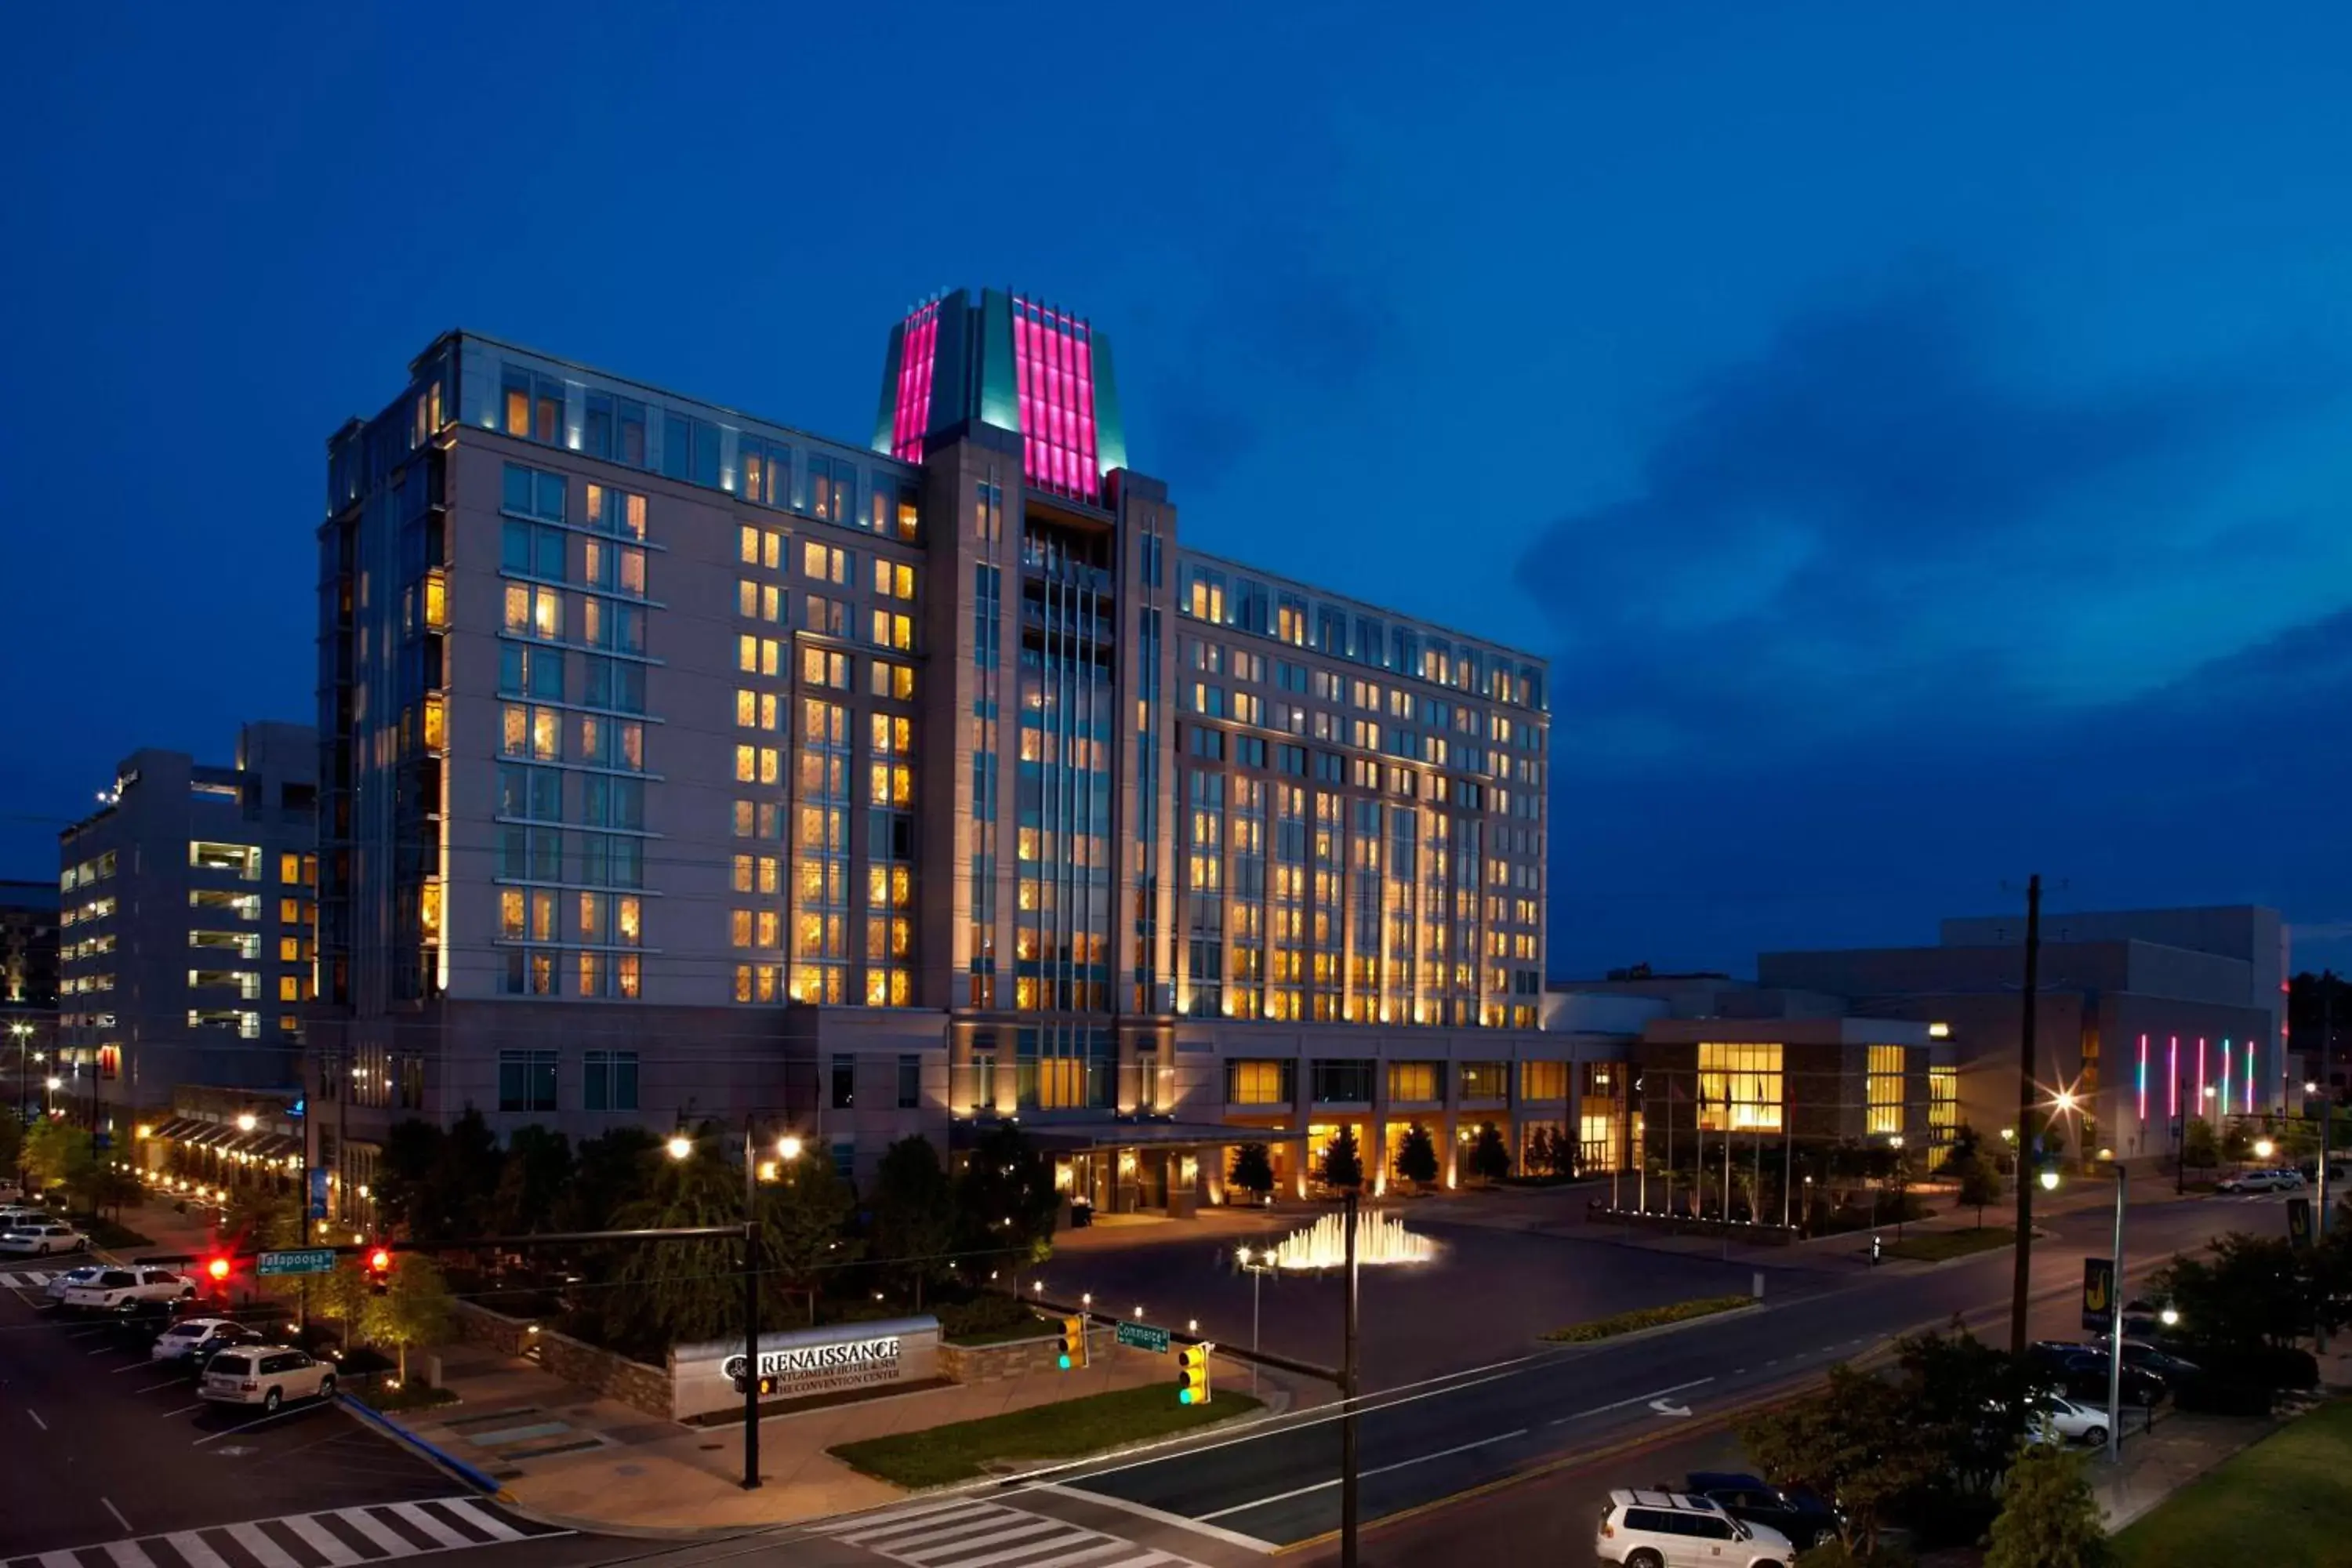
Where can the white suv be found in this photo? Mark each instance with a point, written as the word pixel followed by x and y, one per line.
pixel 1675 1530
pixel 266 1375
pixel 38 1238
pixel 116 1288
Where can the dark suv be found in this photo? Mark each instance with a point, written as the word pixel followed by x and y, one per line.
pixel 1805 1518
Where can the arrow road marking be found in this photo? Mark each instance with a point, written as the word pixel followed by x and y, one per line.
pixel 1663 1409
pixel 1604 1409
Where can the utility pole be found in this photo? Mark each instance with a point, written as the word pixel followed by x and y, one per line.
pixel 2026 1141
pixel 1349 1499
pixel 751 1313
pixel 2326 1089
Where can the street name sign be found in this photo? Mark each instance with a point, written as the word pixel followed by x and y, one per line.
pixel 1144 1337
pixel 308 1260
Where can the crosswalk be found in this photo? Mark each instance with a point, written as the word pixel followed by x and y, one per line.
pixel 339 1538
pixel 963 1533
pixel 24 1280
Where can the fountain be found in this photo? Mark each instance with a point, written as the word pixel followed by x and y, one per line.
pixel 1379 1238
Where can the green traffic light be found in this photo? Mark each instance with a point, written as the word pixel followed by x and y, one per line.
pixel 1065 1363
pixel 1183 1396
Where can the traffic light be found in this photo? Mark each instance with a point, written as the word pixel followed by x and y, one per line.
pixel 1193 1375
pixel 217 1268
pixel 1074 1342
pixel 379 1267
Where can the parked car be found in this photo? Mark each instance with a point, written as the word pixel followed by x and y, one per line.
pixel 2173 1369
pixel 14 1215
pixel 1804 1517
pixel 1677 1529
pixel 117 1287
pixel 2052 1419
pixel 2087 1379
pixel 81 1274
pixel 266 1375
pixel 195 1341
pixel 38 1238
pixel 2261 1181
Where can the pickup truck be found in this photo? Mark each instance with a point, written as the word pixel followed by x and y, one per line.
pixel 115 1289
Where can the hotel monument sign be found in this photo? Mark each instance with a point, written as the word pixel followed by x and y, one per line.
pixel 806 1363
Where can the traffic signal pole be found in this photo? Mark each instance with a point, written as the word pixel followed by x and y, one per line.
pixel 1351 1502
pixel 750 1315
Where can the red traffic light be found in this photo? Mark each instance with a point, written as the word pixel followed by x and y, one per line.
pixel 380 1260
pixel 216 1270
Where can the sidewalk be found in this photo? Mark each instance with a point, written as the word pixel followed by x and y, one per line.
pixel 574 1459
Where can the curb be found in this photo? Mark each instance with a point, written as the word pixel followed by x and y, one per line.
pixel 478 1479
pixel 1753 1305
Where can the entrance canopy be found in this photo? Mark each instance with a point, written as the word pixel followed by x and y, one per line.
pixel 1075 1137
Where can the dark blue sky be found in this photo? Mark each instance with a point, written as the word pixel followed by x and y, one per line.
pixel 1918 437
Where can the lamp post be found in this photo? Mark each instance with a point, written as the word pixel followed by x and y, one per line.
pixel 1257 1273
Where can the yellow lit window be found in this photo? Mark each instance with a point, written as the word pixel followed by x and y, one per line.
pixel 749 546
pixel 739 927
pixel 1543 1080
pixel 747 598
pixel 1740 1088
pixel 1884 1090
pixel 747 708
pixel 1414 1081
pixel 1254 1083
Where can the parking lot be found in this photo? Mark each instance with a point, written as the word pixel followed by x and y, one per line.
pixel 104 1445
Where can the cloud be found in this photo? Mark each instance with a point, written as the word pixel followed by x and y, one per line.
pixel 1873 522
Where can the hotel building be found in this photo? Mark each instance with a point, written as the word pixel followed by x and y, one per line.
pixel 675 764
pixel 184 928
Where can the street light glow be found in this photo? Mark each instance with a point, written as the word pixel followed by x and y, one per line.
pixel 246 1122
pixel 2048 1181
pixel 2264 1148
pixel 679 1146
pixel 789 1147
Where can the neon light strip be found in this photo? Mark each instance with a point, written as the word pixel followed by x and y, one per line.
pixel 2200 1075
pixel 2225 1075
pixel 2143 1078
pixel 2250 1078
pixel 2172 1095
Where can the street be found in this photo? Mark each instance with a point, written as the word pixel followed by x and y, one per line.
pixel 112 1455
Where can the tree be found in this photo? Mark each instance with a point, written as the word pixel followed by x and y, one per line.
pixel 1342 1165
pixel 2199 1149
pixel 803 1216
pixel 404 1172
pixel 677 1292
pixel 1006 1198
pixel 2237 1144
pixel 1490 1157
pixel 436 1184
pixel 2048 1516
pixel 1981 1184
pixel 914 1210
pixel 2253 1291
pixel 610 1169
pixel 412 1309
pixel 12 1142
pixel 1560 1155
pixel 532 1178
pixel 1853 1442
pixel 1416 1156
pixel 1252 1169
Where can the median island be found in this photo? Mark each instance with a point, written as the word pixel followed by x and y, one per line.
pixel 1936 1246
pixel 1642 1318
pixel 1069 1429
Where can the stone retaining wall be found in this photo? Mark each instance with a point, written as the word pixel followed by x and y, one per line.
pixel 988 1363
pixel 603 1372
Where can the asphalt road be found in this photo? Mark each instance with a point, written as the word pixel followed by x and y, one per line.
pixel 1278 1484
pixel 99 1445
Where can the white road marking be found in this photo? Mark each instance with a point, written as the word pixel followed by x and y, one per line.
pixel 192 1547
pixel 430 1525
pixel 490 1524
pixel 1377 1470
pixel 1145 1510
pixel 320 1540
pixel 115 1511
pixel 1637 1399
pixel 232 1431
pixel 266 1552
pixel 183 1410
pixel 393 1543
pixel 37 1419
pixel 126 1553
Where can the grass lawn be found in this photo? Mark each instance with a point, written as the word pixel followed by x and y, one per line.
pixel 1935 1246
pixel 2283 1500
pixel 942 1456
pixel 1644 1318
pixel 105 1232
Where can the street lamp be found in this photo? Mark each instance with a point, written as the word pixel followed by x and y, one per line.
pixel 2264 1148
pixel 788 1147
pixel 679 1145
pixel 2049 1178
pixel 1257 1272
pixel 246 1122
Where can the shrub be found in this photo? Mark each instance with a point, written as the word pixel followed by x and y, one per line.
pixel 985 1315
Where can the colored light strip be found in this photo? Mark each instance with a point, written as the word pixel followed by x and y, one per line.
pixel 2225 1075
pixel 1053 357
pixel 2172 1097
pixel 917 356
pixel 2250 1078
pixel 2200 1075
pixel 2143 1078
